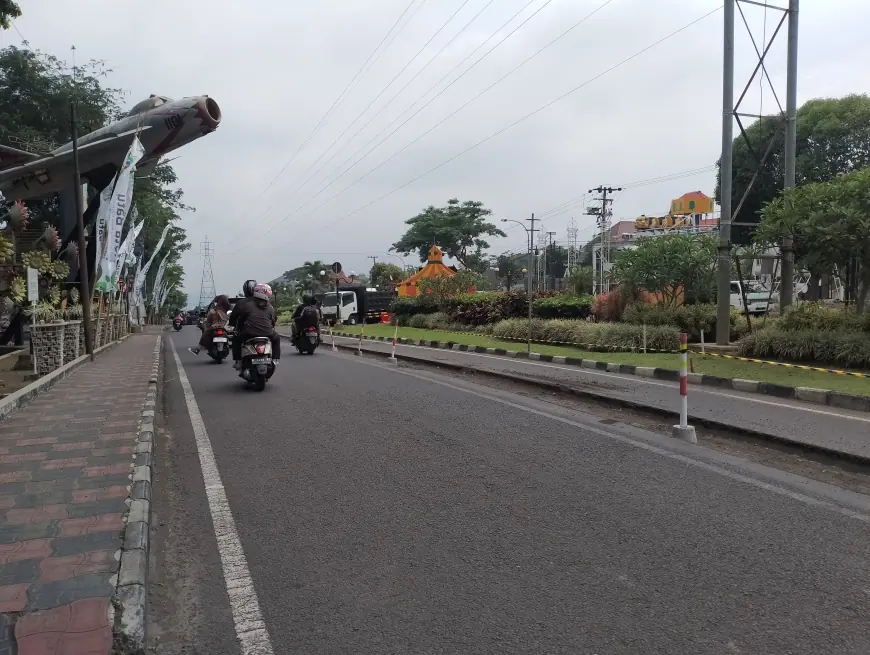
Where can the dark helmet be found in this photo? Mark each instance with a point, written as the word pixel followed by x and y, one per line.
pixel 248 288
pixel 309 300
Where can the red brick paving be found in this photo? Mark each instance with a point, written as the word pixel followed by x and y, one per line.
pixel 65 465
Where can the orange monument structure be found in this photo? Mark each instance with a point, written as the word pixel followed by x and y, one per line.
pixel 433 269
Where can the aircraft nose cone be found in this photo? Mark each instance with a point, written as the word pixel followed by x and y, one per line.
pixel 209 112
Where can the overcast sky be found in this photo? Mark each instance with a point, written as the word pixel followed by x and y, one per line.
pixel 276 67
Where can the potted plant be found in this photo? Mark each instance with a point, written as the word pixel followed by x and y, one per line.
pixel 73 335
pixel 46 335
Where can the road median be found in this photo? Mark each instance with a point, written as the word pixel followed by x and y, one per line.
pixel 768 429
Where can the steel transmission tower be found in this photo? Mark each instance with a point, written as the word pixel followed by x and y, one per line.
pixel 601 252
pixel 785 118
pixel 573 255
pixel 206 287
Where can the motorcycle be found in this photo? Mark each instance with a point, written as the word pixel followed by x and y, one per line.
pixel 220 347
pixel 257 366
pixel 177 324
pixel 307 341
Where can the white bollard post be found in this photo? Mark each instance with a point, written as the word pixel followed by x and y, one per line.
pixel 703 349
pixel 684 430
pixel 362 329
pixel 644 338
pixel 395 338
pixel 332 336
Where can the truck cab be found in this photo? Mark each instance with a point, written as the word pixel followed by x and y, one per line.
pixel 759 301
pixel 357 303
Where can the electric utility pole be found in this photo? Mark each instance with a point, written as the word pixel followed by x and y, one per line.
pixel 550 260
pixel 529 294
pixel 603 215
pixel 785 118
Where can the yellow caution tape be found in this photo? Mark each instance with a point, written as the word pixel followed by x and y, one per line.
pixel 798 366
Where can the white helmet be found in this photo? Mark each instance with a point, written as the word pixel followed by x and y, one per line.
pixel 263 292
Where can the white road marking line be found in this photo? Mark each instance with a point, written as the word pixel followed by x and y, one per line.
pixel 640 380
pixel 250 627
pixel 781 491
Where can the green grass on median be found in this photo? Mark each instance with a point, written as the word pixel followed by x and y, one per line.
pixel 726 368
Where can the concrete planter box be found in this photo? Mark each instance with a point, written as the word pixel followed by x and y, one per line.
pixel 48 346
pixel 72 339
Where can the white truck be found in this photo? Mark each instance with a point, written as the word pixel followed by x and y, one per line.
pixel 759 301
pixel 356 303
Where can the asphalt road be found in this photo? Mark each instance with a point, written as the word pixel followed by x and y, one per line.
pixel 829 427
pixel 388 510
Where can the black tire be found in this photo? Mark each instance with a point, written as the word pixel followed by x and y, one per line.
pixel 351 320
pixel 259 383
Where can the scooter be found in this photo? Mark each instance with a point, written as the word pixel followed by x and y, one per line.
pixel 177 323
pixel 307 341
pixel 220 347
pixel 257 365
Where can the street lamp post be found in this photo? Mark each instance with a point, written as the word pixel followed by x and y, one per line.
pixel 530 234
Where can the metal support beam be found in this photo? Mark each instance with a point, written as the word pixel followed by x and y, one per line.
pixel 723 269
pixel 787 288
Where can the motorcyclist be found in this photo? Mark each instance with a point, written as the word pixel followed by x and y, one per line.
pixel 247 299
pixel 305 316
pixel 257 319
pixel 216 318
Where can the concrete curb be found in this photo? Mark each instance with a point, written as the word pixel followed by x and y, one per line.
pixel 836 399
pixel 622 402
pixel 20 398
pixel 131 591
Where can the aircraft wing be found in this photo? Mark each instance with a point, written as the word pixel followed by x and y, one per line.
pixel 10 157
pixel 24 163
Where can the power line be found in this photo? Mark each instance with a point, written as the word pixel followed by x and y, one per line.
pixel 377 97
pixel 390 101
pixel 449 116
pixel 450 72
pixel 339 98
pixel 523 118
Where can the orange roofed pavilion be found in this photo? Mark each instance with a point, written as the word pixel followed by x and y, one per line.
pixel 434 268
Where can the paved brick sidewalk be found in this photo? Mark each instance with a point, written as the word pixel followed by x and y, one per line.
pixel 65 464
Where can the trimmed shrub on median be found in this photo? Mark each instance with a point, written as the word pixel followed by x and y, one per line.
pixel 590 336
pixel 563 306
pixel 845 349
pixel 818 316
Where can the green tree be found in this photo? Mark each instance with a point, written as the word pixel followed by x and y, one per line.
pixel 9 11
pixel 384 275
pixel 667 265
pixel 459 229
pixel 580 281
pixel 35 92
pixel 509 268
pixel 441 288
pixel 829 221
pixel 833 137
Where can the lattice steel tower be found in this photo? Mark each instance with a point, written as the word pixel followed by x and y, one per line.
pixel 206 287
pixel 573 255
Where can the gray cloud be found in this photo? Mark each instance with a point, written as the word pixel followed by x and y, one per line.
pixel 276 67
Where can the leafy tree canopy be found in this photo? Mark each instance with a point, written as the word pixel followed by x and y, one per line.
pixel 667 264
pixel 384 275
pixel 833 137
pixel 9 11
pixel 829 221
pixel 459 229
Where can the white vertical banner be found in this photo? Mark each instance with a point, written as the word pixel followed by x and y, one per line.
pixel 102 215
pixel 115 217
pixel 158 279
pixel 126 249
pixel 134 296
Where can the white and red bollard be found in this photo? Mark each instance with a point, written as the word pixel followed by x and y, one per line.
pixel 362 329
pixel 393 359
pixel 684 431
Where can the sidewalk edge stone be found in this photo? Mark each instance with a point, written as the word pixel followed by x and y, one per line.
pixel 131 591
